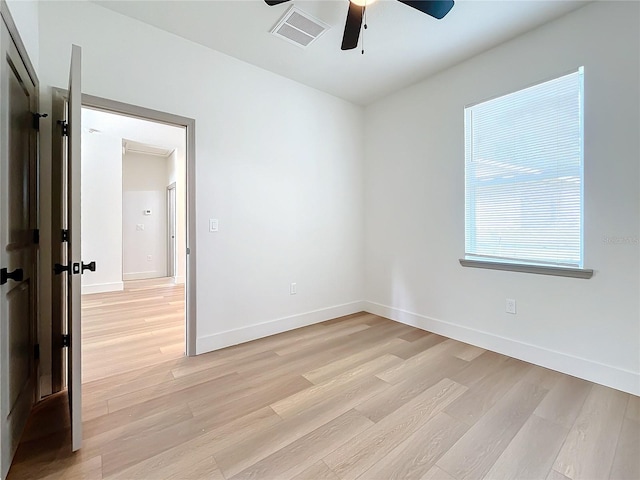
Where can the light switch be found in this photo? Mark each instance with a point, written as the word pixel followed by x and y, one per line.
pixel 213 224
pixel 140 227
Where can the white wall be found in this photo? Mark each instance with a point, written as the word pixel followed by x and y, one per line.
pixel 144 185
pixel 278 163
pixel 25 16
pixel 415 204
pixel 102 211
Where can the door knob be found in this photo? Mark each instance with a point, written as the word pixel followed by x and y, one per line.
pixel 91 266
pixel 16 275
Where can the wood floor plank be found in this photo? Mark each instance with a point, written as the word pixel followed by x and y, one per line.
pixel 554 475
pixel 543 377
pixel 415 456
pixel 201 448
pixel 173 462
pixel 264 442
pixel 358 455
pixel 306 451
pixel 118 439
pixel 187 386
pixel 626 463
pixel 245 397
pixel 476 452
pixel 418 345
pixel 475 371
pixel 589 448
pixel 378 407
pixel 341 365
pixel 317 471
pixel 470 352
pixel 416 334
pixel 436 473
pixel 480 397
pixel 531 453
pixel 308 397
pixel 198 470
pixel 564 401
pixel 327 337
pixel 85 470
pixel 633 408
pixel 420 361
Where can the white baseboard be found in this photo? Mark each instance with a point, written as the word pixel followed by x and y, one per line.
pixel 103 287
pixel 610 376
pixel 142 275
pixel 260 330
pixel 179 280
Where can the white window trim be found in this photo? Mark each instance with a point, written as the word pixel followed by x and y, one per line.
pixel 540 269
pixel 584 273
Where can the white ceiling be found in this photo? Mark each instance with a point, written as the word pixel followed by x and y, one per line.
pixel 402 45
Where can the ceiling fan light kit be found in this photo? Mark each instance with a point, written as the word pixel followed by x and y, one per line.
pixel 437 9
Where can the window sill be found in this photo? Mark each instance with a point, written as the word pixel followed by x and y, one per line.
pixel 537 269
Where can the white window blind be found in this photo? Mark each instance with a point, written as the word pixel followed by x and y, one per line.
pixel 524 175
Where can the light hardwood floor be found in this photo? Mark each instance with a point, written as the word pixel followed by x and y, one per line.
pixel 356 397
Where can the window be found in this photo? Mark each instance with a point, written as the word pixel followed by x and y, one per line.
pixel 524 176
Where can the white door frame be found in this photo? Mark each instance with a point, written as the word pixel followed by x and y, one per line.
pixel 190 128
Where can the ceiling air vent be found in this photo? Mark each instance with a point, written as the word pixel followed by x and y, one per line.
pixel 299 28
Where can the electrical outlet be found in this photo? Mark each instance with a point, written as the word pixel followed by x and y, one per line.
pixel 149 258
pixel 510 306
pixel 293 289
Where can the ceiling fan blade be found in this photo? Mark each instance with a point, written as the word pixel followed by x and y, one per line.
pixel 352 27
pixel 271 3
pixel 436 8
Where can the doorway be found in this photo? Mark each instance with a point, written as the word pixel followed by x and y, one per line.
pixel 133 307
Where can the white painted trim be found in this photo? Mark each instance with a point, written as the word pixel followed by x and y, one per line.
pixel 236 336
pixel 607 375
pixel 103 287
pixel 142 275
pixel 179 279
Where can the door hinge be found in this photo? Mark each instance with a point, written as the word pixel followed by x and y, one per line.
pixel 65 235
pixel 64 128
pixel 72 269
pixel 36 236
pixel 17 275
pixel 36 351
pixel 66 340
pixel 36 120
pixel 58 269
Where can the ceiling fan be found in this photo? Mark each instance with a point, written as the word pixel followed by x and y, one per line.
pixel 435 8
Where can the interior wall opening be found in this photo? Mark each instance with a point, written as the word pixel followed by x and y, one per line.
pixel 134 227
